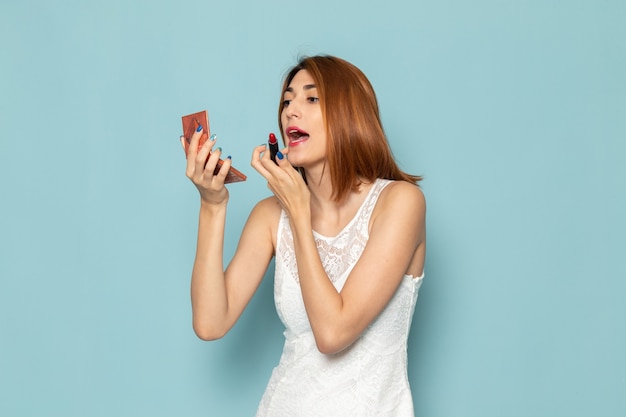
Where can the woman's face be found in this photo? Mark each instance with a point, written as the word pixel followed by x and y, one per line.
pixel 303 123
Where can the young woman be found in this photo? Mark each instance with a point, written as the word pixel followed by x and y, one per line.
pixel 347 229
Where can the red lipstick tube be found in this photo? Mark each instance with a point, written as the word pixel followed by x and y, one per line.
pixel 273 147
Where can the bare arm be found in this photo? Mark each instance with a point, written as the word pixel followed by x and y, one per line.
pixel 219 297
pixel 395 247
pixel 396 238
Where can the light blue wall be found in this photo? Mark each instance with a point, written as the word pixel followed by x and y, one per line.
pixel 514 111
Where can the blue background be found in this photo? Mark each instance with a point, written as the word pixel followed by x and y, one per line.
pixel 514 111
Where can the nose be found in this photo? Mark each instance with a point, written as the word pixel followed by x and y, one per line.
pixel 293 110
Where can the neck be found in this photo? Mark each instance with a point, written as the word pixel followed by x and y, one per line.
pixel 328 216
pixel 320 187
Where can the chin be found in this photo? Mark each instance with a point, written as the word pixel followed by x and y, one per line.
pixel 296 163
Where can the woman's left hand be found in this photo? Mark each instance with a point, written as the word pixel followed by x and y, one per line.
pixel 283 180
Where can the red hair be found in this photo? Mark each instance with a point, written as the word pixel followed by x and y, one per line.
pixel 357 148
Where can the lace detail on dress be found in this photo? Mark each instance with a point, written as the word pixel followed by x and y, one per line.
pixel 368 378
pixel 338 254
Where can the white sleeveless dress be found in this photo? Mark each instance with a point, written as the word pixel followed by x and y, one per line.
pixel 368 378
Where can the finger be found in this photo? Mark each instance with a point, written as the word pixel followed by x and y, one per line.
pixel 223 171
pixel 192 148
pixel 203 153
pixel 189 167
pixel 258 154
pixel 282 161
pixel 269 167
pixel 212 162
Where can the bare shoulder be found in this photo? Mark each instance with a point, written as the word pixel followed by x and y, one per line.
pixel 401 206
pixel 401 194
pixel 267 208
pixel 265 215
pixel 400 216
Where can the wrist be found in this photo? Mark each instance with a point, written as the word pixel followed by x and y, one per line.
pixel 213 207
pixel 301 224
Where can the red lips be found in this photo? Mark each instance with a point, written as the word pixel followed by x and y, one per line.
pixel 296 135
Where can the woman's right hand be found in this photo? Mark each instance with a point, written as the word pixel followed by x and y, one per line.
pixel 201 165
pixel 284 181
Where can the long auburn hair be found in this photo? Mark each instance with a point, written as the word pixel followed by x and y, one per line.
pixel 357 148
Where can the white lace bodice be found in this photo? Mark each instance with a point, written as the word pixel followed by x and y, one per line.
pixel 366 379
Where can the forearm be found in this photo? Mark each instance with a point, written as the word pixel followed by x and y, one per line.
pixel 322 301
pixel 208 290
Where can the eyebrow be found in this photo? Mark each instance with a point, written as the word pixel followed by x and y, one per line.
pixel 306 87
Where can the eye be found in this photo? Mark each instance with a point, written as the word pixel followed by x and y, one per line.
pixel 286 103
pixel 313 99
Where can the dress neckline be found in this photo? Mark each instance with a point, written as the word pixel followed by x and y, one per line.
pixel 377 183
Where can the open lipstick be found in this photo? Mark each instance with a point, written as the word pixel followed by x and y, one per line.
pixel 273 147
